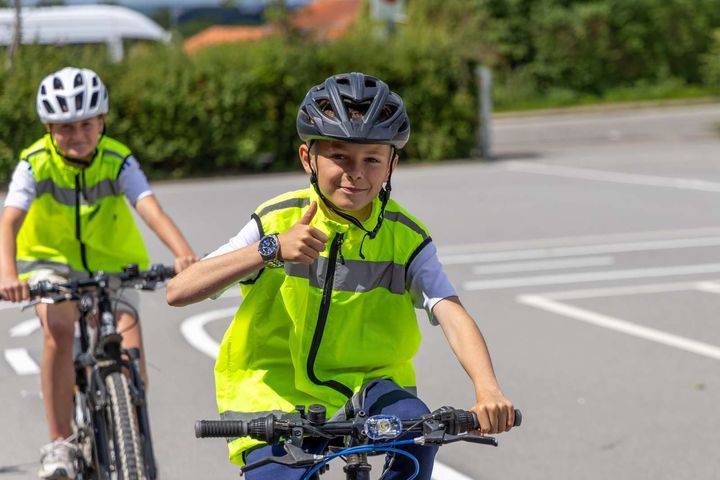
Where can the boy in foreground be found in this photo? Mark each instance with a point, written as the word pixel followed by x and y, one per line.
pixel 330 277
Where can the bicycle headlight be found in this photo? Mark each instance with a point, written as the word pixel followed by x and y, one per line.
pixel 382 427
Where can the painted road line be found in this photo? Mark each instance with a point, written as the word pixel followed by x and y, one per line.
pixel 622 326
pixel 615 177
pixel 579 240
pixel 543 265
pixel 443 472
pixel 591 277
pixel 624 290
pixel 25 328
pixel 20 361
pixel 574 251
pixel 194 332
pixel 709 287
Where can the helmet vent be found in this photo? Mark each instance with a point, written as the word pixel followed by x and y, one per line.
pixel 48 107
pixel 370 82
pixel 78 101
pixel 343 81
pixel 326 107
pixel 43 90
pixel 95 81
pixel 63 104
pixel 387 112
pixel 78 80
pixel 57 84
pixel 93 99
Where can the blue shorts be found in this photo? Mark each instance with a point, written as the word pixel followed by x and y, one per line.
pixel 382 396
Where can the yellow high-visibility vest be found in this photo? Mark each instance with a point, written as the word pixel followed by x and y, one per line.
pixel 79 217
pixel 316 333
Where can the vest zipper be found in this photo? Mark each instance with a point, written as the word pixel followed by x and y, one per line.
pixel 80 190
pixel 322 319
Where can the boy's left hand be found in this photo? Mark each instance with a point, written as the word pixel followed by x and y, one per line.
pixel 183 262
pixel 495 413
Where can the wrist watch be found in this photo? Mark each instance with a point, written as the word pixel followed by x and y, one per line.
pixel 269 248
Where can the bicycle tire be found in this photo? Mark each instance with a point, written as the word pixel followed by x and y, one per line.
pixel 129 463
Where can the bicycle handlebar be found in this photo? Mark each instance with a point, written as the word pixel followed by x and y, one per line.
pixel 129 277
pixel 270 427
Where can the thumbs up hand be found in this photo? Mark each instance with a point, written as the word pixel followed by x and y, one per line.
pixel 302 243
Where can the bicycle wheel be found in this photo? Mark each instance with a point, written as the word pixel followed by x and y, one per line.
pixel 129 464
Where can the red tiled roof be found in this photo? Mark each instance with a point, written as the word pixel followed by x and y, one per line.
pixel 324 19
pixel 225 34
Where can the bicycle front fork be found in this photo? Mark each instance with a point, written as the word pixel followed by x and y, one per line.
pixel 357 467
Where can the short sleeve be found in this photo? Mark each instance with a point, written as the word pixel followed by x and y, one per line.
pixel 427 282
pixel 132 180
pixel 22 189
pixel 249 234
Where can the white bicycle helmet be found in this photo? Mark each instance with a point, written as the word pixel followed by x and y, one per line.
pixel 71 94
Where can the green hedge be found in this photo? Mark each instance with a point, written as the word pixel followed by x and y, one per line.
pixel 233 107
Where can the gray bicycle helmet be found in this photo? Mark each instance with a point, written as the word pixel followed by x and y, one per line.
pixel 71 94
pixel 353 107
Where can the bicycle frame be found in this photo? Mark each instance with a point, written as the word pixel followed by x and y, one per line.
pixel 95 359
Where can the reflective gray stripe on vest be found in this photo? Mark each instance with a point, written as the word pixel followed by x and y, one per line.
pixel 66 196
pixel 405 220
pixel 290 203
pixel 62 269
pixel 354 276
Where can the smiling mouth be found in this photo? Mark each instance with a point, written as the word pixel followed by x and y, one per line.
pixel 352 189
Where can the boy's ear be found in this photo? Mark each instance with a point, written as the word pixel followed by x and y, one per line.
pixel 394 163
pixel 304 154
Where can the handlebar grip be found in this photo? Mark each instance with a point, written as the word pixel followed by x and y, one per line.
pixel 220 428
pixel 518 418
pixel 470 422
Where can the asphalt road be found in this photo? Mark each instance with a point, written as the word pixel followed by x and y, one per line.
pixel 588 253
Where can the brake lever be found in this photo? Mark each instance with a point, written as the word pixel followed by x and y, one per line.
pixel 32 303
pixel 472 439
pixel 46 300
pixel 296 457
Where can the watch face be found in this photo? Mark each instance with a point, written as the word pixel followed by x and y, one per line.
pixel 268 246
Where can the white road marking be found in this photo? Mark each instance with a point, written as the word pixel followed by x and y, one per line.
pixel 605 321
pixel 20 361
pixel 193 331
pixel 591 276
pixel 543 265
pixel 25 328
pixel 443 472
pixel 626 290
pixel 710 287
pixel 615 177
pixel 572 251
pixel 579 240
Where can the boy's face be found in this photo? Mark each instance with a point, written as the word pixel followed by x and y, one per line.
pixel 78 139
pixel 349 175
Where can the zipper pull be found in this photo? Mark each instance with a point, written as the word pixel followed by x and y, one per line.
pixel 340 254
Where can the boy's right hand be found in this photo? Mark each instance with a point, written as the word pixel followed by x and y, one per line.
pixel 302 243
pixel 12 289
